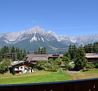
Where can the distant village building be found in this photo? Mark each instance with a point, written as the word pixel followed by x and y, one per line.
pixel 37 57
pixel 92 57
pixel 42 57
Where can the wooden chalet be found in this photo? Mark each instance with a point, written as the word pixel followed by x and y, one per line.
pixel 92 57
pixel 21 67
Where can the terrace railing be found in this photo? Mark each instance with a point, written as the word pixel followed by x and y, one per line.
pixel 75 85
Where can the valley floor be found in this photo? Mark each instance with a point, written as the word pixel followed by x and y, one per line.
pixel 43 76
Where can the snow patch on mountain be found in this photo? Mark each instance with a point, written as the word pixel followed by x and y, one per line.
pixel 42 39
pixel 11 37
pixel 6 41
pixel 34 38
pixel 73 39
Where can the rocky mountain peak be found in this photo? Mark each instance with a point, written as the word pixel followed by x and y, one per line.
pixel 35 37
pixel 36 29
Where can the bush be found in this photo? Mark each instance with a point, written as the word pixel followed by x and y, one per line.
pixel 4 65
pixel 41 65
pixel 51 67
pixel 96 65
pixel 3 69
pixel 65 62
pixel 71 65
pixel 89 66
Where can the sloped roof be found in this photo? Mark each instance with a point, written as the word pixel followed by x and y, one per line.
pixel 37 57
pixel 91 55
pixel 43 57
pixel 16 62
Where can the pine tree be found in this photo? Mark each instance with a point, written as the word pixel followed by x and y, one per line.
pixel 44 51
pixel 89 48
pixel 95 47
pixel 72 51
pixel 80 61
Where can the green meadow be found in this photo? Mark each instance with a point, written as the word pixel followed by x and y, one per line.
pixel 41 76
pixel 44 76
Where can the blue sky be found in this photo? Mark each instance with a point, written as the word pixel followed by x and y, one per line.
pixel 65 17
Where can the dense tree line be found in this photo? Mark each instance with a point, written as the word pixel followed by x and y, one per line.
pixel 91 48
pixel 41 50
pixel 9 54
pixel 12 53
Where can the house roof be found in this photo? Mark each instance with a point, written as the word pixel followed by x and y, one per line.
pixel 44 57
pixel 91 55
pixel 36 57
pixel 16 63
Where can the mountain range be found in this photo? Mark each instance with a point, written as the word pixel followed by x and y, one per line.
pixel 36 37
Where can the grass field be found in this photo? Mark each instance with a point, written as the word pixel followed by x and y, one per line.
pixel 43 76
pixel 84 75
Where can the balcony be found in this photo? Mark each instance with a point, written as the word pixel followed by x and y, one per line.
pixel 72 85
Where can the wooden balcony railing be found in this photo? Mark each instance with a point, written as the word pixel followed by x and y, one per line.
pixel 76 85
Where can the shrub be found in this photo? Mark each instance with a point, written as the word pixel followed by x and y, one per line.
pixel 51 67
pixel 96 65
pixel 89 66
pixel 71 65
pixel 65 62
pixel 4 65
pixel 41 65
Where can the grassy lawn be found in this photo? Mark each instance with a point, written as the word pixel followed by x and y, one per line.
pixel 84 75
pixel 41 76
